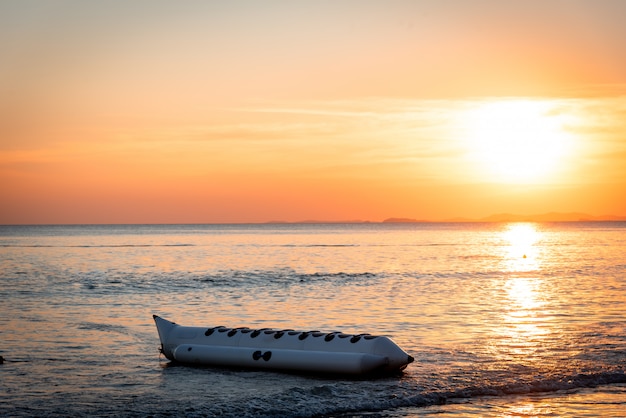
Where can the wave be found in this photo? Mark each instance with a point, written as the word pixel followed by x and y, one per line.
pixel 299 397
pixel 346 398
pixel 100 282
pixel 315 245
pixel 94 326
pixel 236 278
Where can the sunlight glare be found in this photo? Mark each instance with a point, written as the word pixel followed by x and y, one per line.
pixel 524 327
pixel 521 292
pixel 522 322
pixel 521 252
pixel 517 140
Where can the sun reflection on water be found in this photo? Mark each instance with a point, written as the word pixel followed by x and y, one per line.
pixel 524 319
pixel 522 292
pixel 525 328
pixel 520 241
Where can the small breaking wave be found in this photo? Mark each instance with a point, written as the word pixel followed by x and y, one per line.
pixel 235 278
pixel 340 398
pixel 343 398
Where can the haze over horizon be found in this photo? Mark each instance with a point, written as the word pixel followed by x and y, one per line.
pixel 244 111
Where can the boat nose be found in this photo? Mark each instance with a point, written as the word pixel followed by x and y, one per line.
pixel 410 359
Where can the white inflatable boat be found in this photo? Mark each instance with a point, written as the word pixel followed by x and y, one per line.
pixel 288 350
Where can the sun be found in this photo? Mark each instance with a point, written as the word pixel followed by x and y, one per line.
pixel 517 140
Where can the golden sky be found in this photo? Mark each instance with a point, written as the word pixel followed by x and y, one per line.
pixel 252 111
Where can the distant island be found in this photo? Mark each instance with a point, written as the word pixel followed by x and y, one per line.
pixel 510 217
pixel 401 221
pixel 545 217
pixel 498 217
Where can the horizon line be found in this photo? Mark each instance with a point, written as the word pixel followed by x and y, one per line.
pixel 494 218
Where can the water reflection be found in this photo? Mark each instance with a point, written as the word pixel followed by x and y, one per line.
pixel 523 293
pixel 525 330
pixel 520 241
pixel 524 324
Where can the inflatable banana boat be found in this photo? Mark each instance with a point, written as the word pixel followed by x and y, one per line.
pixel 286 350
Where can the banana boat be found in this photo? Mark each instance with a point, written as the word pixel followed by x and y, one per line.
pixel 283 350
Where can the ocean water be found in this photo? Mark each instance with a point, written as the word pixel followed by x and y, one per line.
pixel 518 319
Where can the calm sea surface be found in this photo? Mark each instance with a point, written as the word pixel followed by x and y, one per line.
pixel 514 319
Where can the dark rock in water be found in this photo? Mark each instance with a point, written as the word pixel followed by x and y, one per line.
pixel 1 360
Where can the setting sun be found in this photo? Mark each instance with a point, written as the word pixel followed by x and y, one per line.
pixel 518 140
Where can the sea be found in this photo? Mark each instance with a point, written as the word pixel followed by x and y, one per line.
pixel 503 319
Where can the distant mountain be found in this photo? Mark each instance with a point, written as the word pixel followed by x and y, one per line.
pixel 316 221
pixel 498 217
pixel 401 221
pixel 545 217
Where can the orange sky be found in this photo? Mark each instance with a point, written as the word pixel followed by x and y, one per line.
pixel 246 111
